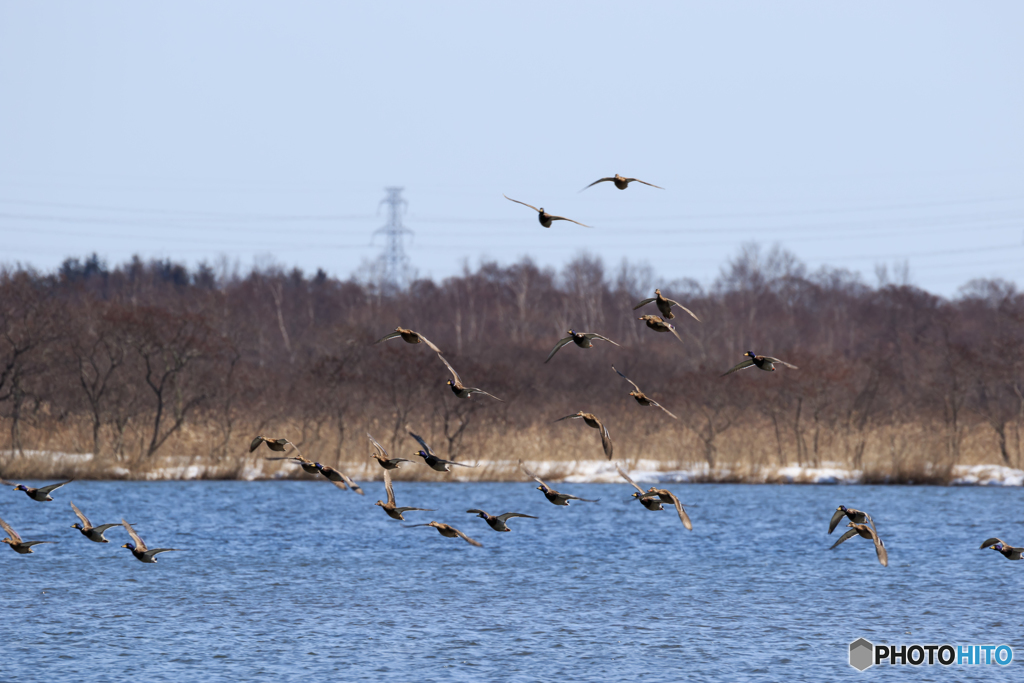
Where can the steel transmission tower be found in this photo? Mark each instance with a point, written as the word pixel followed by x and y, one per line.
pixel 394 259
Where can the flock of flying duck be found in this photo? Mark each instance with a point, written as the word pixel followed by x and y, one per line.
pixel 652 499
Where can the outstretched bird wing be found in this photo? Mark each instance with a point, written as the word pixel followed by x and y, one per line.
pixel 534 476
pixel 10 532
pixel 837 516
pixel 781 362
pixel 561 342
pixel 628 379
pixel 626 477
pixel 849 534
pixel 739 366
pixel 467 539
pixel 387 487
pixel 679 305
pixel 423 444
pixel 519 202
pixel 509 515
pixel 643 182
pixel 563 218
pixel 602 180
pixel 140 545
pixel 595 335
pixel 458 380
pixel 655 403
pixel 390 335
pixel 85 520
pixel 51 487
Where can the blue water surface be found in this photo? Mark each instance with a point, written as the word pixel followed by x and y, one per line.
pixel 297 580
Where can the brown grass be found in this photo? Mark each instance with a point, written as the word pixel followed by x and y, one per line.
pixel 909 453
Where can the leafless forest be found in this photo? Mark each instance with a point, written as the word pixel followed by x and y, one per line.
pixel 149 364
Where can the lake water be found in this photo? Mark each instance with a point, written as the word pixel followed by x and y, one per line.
pixel 293 580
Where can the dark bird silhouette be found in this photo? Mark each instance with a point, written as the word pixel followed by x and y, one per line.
pixel 543 216
pixel 591 421
pixel 389 507
pixel 620 182
pixel 497 522
pixel 552 495
pixel 584 340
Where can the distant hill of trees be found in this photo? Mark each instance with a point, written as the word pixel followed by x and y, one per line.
pixel 145 359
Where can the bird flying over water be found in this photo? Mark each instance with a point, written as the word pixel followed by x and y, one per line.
pixel 93 533
pixel 448 532
pixel 843 511
pixel 14 540
pixel 584 340
pixel 766 363
pixel 432 461
pixel 140 550
pixel 591 421
pixel 552 495
pixel 382 457
pixel 543 216
pixel 1007 550
pixel 41 494
pixel 497 522
pixel 870 533
pixel 338 478
pixel 620 182
pixel 389 507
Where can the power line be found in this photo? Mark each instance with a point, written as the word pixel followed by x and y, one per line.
pixel 394 260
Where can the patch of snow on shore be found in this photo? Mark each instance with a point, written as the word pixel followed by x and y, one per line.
pixel 987 475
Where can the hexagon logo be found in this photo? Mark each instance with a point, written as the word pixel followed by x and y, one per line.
pixel 862 654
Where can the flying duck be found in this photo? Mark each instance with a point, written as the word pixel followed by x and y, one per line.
pixel 641 398
pixel 659 325
pixel 389 507
pixel 497 522
pixel 41 494
pixel 93 533
pixel 853 515
pixel 434 462
pixel 410 337
pixel 649 501
pixel 1007 550
pixel 273 444
pixel 543 216
pixel 620 182
pixel 766 363
pixel 460 389
pixel 382 457
pixel 338 478
pixel 666 496
pixel 139 549
pixel 592 421
pixel 869 532
pixel 665 306
pixel 14 540
pixel 584 340
pixel 448 532
pixel 552 495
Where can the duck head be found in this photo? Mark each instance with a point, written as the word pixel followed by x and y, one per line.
pixel 76 525
pixel 998 546
pixel 542 488
pixel 482 515
pixel 130 546
pixel 841 508
pixel 450 383
pixel 749 353
pixel 318 466
pixel 21 487
pixel 379 503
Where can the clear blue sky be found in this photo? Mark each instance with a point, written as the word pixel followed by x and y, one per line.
pixel 852 134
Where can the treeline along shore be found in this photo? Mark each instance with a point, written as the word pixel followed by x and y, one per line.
pixel 125 371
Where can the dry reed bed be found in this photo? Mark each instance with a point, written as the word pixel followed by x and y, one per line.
pixel 750 452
